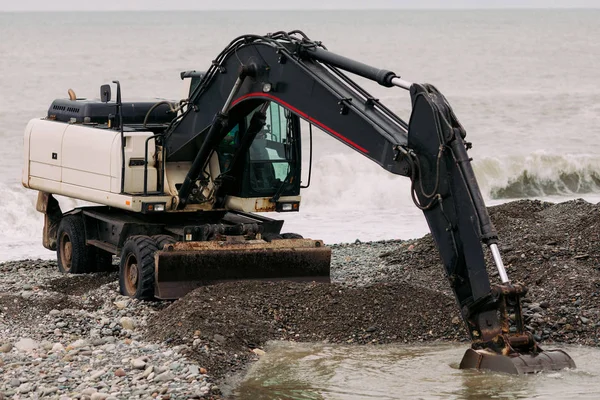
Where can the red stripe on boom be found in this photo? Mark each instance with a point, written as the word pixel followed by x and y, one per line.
pixel 303 115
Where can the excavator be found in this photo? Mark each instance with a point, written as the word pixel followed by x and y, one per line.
pixel 180 188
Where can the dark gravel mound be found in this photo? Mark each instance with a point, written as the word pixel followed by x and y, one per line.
pixel 554 249
pixel 77 285
pixel 236 317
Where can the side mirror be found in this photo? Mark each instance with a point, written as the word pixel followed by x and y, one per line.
pixel 105 93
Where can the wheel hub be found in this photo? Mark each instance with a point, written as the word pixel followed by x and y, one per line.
pixel 133 274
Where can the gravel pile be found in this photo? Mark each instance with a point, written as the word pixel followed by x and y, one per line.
pixel 76 337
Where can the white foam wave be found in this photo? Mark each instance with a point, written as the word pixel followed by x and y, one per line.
pixel 540 174
pixel 351 197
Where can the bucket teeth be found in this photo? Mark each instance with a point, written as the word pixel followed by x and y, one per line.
pixel 518 364
pixel 182 267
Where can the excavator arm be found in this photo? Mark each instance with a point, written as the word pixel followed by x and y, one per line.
pixel 305 78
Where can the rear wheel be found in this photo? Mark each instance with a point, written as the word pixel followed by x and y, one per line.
pixel 291 236
pixel 136 271
pixel 73 255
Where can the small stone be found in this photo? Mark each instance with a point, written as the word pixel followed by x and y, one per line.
pixel 58 347
pixel 88 391
pixel 14 382
pixel 96 374
pixel 26 344
pixel 147 371
pixel 258 352
pixel 79 344
pixel 164 377
pixel 27 287
pixel 127 323
pixel 54 312
pixel 456 321
pixel 99 396
pixel 25 388
pixel 138 363
pixel 121 304
pixel 194 370
pixel 49 390
pixel 219 338
pixel 151 376
pixel 203 371
pixel 120 372
pixel 6 347
pixel 584 320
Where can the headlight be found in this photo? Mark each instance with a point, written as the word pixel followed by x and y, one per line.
pixel 288 206
pixel 153 207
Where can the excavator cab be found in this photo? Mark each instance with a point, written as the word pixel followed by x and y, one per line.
pixel 262 165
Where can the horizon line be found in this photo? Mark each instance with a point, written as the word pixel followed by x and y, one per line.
pixel 314 9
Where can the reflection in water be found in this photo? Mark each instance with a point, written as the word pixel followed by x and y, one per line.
pixel 324 372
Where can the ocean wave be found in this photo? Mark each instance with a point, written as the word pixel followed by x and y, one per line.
pixel 539 174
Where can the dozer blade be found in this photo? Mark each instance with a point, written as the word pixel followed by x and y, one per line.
pixel 183 266
pixel 549 360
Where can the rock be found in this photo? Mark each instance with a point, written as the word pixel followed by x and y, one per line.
pixel 127 323
pixel 584 320
pixel 164 377
pixel 120 372
pixel 79 344
pixel 121 304
pixel 138 363
pixel 258 352
pixel 151 376
pixel 193 369
pixel 46 345
pixel 371 329
pixel 456 321
pixel 54 312
pixel 147 371
pixel 6 348
pixel 25 388
pixel 96 374
pixel 88 391
pixel 27 287
pixel 58 347
pixel 99 396
pixel 26 345
pixel 203 371
pixel 219 338
pixel 49 390
pixel 14 382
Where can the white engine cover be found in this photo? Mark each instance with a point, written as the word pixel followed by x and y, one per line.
pixel 84 162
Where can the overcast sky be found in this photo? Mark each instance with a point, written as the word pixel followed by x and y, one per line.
pixel 75 5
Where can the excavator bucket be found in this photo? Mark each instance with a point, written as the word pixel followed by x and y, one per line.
pixel 181 267
pixel 550 360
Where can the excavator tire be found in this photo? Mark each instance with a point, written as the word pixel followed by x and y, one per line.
pixel 136 271
pixel 162 240
pixel 269 237
pixel 73 255
pixel 291 236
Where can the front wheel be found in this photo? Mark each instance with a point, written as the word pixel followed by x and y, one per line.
pixel 136 271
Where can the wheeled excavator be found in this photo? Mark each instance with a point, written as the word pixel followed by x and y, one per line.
pixel 179 185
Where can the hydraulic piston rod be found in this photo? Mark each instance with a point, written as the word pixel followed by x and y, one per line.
pixel 499 263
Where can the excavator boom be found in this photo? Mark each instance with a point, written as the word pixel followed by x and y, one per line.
pixel 305 78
